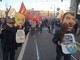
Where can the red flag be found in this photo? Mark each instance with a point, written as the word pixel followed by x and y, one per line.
pixel 38 21
pixel 28 14
pixel 48 16
pixel 39 16
pixel 35 18
pixel 23 9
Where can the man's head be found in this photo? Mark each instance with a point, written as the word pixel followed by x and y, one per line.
pixel 10 22
pixel 68 20
pixel 2 20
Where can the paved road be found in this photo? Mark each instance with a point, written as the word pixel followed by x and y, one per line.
pixel 75 56
pixel 40 47
pixel 43 48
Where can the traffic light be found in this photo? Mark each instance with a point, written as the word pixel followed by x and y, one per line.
pixel 61 0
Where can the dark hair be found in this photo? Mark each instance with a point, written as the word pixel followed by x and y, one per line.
pixel 71 13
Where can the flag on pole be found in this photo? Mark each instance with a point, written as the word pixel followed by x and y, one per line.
pixel 39 16
pixel 48 15
pixel 35 18
pixel 22 9
pixel 28 14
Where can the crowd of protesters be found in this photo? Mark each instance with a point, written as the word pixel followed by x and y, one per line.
pixel 8 33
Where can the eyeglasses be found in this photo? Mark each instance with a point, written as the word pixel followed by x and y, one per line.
pixel 11 22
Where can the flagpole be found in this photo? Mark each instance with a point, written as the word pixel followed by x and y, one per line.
pixel 8 7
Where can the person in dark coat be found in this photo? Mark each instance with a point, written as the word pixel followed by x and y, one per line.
pixel 47 24
pixel 67 27
pixel 27 26
pixel 2 26
pixel 8 40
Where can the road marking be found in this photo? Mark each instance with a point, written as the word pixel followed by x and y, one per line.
pixel 78 48
pixel 23 48
pixel 77 43
pixel 37 49
pixel 71 55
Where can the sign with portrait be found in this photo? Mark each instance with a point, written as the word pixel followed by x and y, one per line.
pixel 69 44
pixel 20 36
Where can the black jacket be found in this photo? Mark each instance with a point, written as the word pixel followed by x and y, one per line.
pixel 57 36
pixel 8 40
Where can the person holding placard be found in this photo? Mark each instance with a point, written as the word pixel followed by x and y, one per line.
pixel 59 36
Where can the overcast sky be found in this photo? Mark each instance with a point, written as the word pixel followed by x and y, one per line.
pixel 36 4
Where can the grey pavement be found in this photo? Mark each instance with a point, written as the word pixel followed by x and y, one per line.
pixel 40 47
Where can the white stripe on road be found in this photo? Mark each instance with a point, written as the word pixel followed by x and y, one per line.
pixel 71 55
pixel 77 43
pixel 37 49
pixel 23 48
